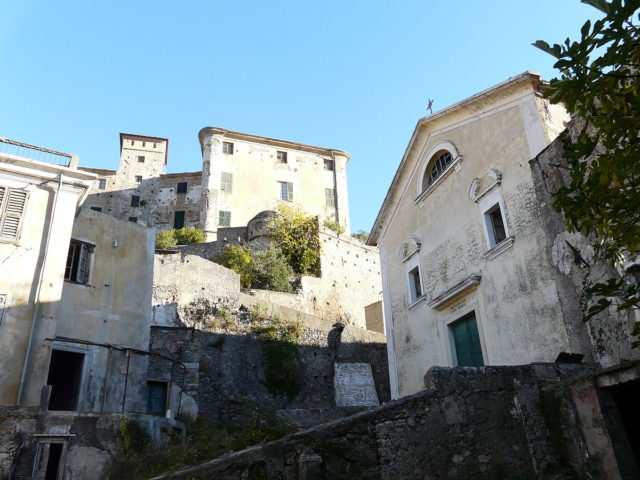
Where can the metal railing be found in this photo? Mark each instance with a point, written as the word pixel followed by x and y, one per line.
pixel 33 152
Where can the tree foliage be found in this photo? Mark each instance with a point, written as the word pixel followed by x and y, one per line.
pixel 599 82
pixel 333 225
pixel 361 235
pixel 296 234
pixel 183 236
pixel 266 270
pixel 166 239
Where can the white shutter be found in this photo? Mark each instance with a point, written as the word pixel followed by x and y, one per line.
pixel 12 215
pixel 290 192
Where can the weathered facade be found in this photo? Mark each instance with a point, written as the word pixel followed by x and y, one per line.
pixel 204 321
pixel 241 175
pixel 74 323
pixel 467 277
pixel 349 276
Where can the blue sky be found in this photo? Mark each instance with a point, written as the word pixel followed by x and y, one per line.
pixel 352 75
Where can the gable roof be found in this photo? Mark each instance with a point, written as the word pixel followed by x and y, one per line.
pixel 528 76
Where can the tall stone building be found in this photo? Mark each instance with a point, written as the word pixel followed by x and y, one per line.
pixel 242 175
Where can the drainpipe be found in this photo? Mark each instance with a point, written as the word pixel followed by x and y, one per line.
pixel 335 186
pixel 36 310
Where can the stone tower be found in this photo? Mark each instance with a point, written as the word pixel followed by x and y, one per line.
pixel 141 158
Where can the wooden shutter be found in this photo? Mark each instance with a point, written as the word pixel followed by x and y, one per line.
pixel 11 210
pixel 290 192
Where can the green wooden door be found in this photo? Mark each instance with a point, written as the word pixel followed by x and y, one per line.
pixel 466 339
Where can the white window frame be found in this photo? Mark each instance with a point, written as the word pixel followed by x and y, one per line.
pixel 410 264
pixel 486 203
pixel 90 249
pixel 422 192
pixel 289 190
pixel 227 148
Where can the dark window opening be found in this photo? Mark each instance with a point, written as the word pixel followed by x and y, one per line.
pixel 138 178
pixel 619 405
pixel 439 163
pixel 182 187
pixel 495 224
pixel 141 159
pixel 329 165
pixel 466 340
pixel 53 462
pixel 78 262
pixel 96 209
pixel 133 219
pixel 414 283
pixel 178 219
pixel 156 398
pixel 281 156
pixel 65 377
pixel 135 200
pixel 227 147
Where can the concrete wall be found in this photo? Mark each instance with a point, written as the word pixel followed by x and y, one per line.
pixel 469 423
pixel 115 309
pixel 374 317
pixel 510 288
pixel 33 270
pixel 256 173
pixel 608 335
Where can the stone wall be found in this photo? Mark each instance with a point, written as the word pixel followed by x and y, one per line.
pixel 607 337
pixel 469 423
pixel 89 440
pixel 226 369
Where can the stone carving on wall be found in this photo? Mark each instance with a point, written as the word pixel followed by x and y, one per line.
pixel 354 385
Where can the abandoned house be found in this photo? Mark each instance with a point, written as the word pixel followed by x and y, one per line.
pixel 242 175
pixel 74 319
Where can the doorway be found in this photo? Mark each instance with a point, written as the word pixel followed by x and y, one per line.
pixel 65 379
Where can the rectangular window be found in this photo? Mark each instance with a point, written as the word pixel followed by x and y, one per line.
pixel 12 208
pixel 141 159
pixel 286 191
pixel 135 200
pixel 133 142
pixel 329 165
pixel 227 147
pixel 154 145
pixel 133 219
pixel 281 156
pixel 156 398
pixel 178 219
pixel 138 178
pixel 78 262
pixel 182 187
pixel 96 209
pixel 226 182
pixel 330 197
pixel 466 342
pixel 495 225
pixel 102 184
pixel 144 144
pixel 415 286
pixel 65 379
pixel 224 219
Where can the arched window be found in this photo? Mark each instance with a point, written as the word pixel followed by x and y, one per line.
pixel 438 163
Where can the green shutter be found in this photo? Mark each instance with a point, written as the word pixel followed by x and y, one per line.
pixel 466 340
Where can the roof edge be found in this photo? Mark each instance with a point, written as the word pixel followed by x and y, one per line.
pixel 268 140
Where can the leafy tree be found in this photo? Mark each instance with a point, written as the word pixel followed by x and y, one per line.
pixel 296 234
pixel 271 271
pixel 599 82
pixel 240 260
pixel 361 235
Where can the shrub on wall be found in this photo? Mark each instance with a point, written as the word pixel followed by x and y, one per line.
pixel 271 271
pixel 189 236
pixel 333 225
pixel 240 260
pixel 296 234
pixel 166 239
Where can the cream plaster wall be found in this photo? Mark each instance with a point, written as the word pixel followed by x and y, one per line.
pixel 256 173
pixel 29 271
pixel 516 304
pixel 115 308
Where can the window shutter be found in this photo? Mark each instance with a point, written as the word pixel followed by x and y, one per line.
pixel 290 192
pixel 13 210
